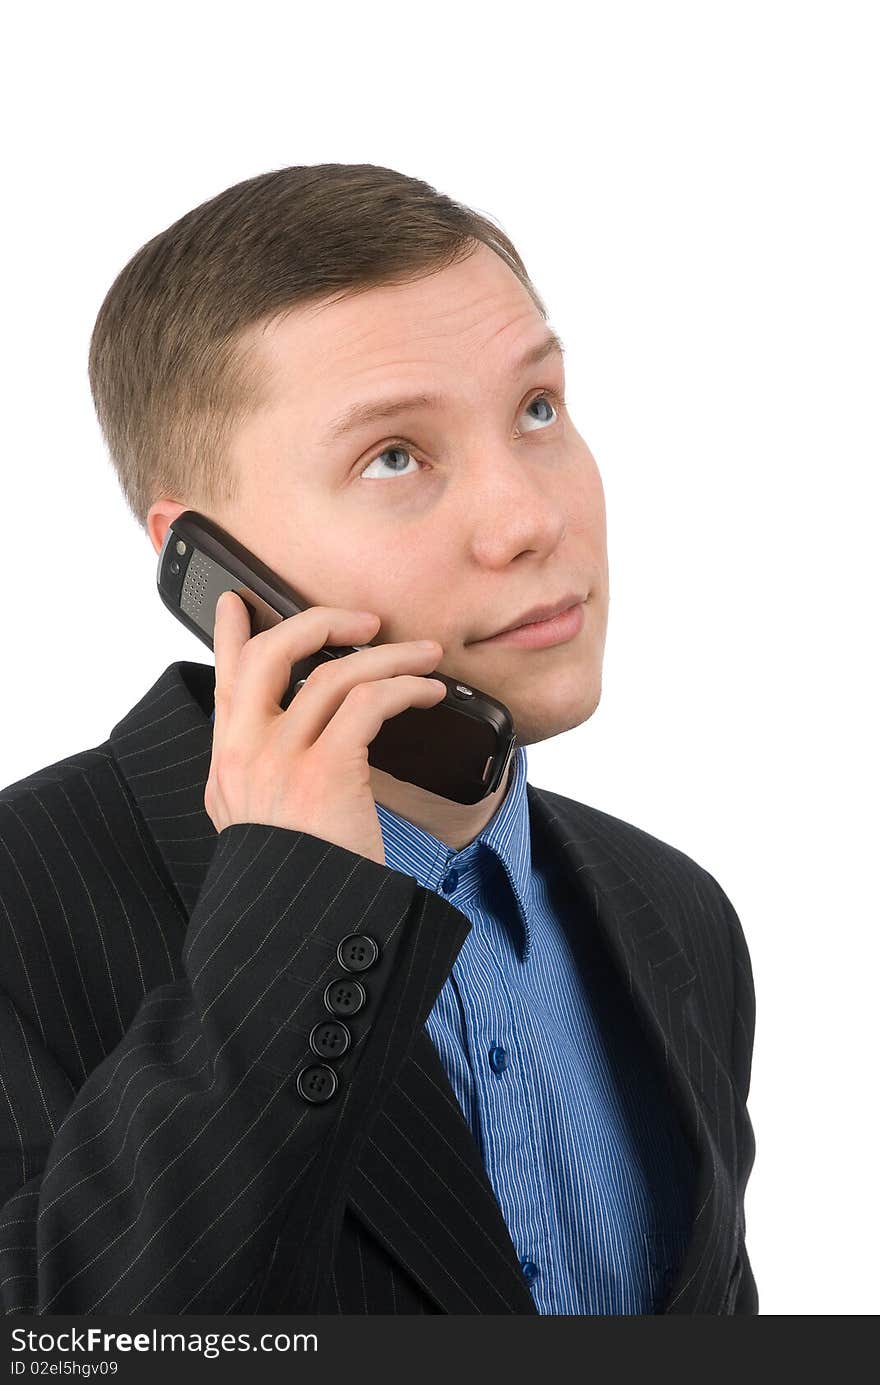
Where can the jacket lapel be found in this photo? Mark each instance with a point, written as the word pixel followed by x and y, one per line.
pixel 601 863
pixel 420 1185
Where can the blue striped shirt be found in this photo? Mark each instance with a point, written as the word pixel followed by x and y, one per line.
pixel 547 1059
pixel 545 1054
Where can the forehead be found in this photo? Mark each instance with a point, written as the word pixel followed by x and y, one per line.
pixel 447 318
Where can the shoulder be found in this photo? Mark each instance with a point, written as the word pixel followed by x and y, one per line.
pixel 621 855
pixel 52 783
pixel 62 771
pixel 60 811
pixel 87 923
pixel 652 860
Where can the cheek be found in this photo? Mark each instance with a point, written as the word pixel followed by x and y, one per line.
pixel 585 505
pixel 402 579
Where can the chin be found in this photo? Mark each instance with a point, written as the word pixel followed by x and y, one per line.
pixel 535 724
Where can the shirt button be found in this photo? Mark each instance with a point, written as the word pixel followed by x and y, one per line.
pixel 529 1269
pixel 497 1058
pixel 449 881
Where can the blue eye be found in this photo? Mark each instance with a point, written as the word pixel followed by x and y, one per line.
pixel 396 450
pixel 400 449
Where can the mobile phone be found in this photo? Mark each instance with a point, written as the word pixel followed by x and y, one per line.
pixel 460 748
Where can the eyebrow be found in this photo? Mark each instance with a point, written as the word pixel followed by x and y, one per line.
pixel 359 415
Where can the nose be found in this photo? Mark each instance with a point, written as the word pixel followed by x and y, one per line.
pixel 513 510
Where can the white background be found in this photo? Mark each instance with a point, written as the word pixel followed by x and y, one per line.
pixel 693 188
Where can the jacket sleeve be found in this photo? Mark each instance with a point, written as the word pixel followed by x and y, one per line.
pixel 744 1290
pixel 164 1183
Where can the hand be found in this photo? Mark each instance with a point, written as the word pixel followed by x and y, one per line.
pixel 306 767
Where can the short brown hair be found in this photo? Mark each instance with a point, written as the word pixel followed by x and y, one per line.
pixel 167 369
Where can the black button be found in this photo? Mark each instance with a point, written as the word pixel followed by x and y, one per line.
pixel 344 996
pixel 330 1039
pixel 357 952
pixel 317 1083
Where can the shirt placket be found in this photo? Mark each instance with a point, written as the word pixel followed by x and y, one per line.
pixel 497 1030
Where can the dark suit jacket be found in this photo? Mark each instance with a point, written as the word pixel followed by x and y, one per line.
pixel 159 985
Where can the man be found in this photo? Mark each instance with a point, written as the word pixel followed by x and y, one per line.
pixel 283 1033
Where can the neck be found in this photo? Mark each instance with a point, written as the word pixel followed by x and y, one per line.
pixel 455 824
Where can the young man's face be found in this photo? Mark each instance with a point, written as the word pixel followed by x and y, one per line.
pixel 449 522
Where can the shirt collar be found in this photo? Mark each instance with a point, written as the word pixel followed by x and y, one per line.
pixel 502 851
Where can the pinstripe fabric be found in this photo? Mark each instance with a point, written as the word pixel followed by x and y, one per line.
pixel 159 985
pixel 586 1157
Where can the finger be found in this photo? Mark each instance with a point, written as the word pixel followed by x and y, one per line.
pixel 265 663
pixel 369 705
pixel 328 685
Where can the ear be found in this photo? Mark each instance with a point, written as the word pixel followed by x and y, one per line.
pixel 160 516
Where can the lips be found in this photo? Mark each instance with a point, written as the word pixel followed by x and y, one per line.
pixel 537 613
